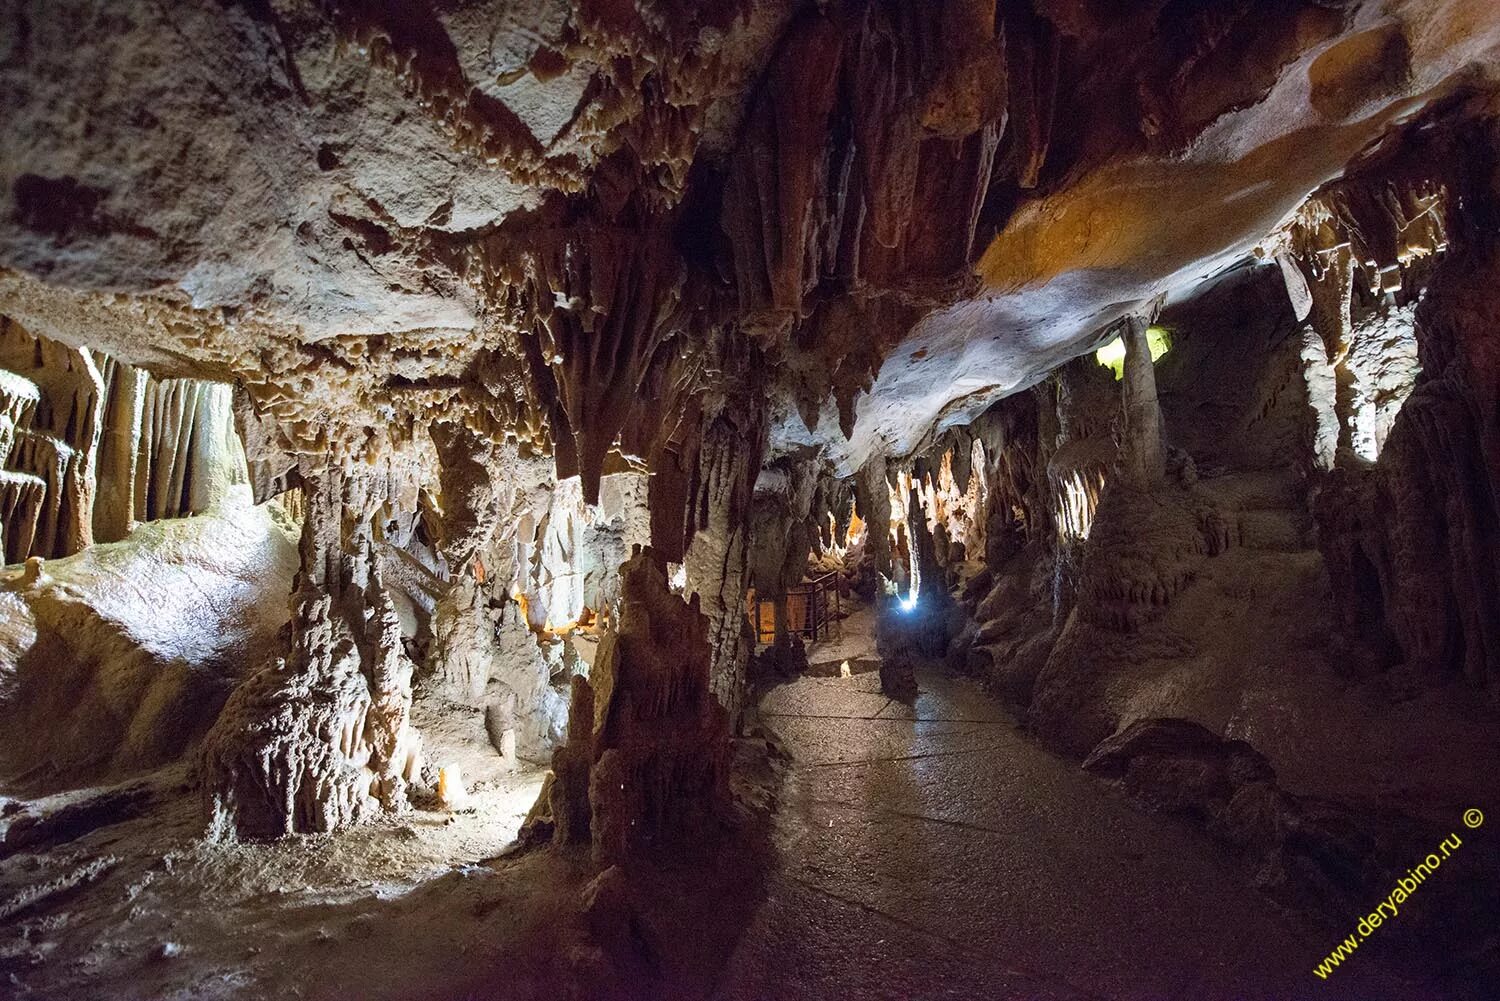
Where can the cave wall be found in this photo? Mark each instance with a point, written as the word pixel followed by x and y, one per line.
pixel 101 680
pixel 477 273
pixel 1411 541
pixel 1323 513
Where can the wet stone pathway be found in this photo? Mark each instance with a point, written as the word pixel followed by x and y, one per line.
pixel 935 851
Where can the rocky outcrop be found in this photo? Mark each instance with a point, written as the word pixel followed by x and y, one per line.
pixel 1321 856
pixel 1411 543
pixel 648 745
pixel 320 740
pixel 101 679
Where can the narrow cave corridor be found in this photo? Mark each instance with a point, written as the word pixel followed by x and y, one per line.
pixel 717 500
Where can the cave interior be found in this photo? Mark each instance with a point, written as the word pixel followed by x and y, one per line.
pixel 750 499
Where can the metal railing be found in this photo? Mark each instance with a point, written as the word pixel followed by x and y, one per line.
pixel 813 610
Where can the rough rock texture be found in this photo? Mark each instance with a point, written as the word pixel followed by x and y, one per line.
pixel 648 743
pixel 320 739
pixel 1411 542
pixel 717 560
pixel 92 446
pixel 1322 856
pixel 55 441
pixel 440 209
pixel 537 282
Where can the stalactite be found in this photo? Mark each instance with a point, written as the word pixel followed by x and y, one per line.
pixel 1365 235
pixel 19 398
pixel 57 435
pixel 115 508
pixel 598 301
pixel 187 455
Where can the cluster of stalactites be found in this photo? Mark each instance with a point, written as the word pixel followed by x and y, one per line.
pixel 864 163
pixel 977 491
pixel 1034 467
pixel 91 446
pixel 1374 231
pixel 1364 246
pixel 951 487
pixel 1370 232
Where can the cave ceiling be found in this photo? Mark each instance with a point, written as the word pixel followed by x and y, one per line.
pixel 590 224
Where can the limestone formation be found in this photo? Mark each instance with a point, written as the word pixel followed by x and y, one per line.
pixel 1137 359
pixel 320 740
pixel 647 752
pixel 100 446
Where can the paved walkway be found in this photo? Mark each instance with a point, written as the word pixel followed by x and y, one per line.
pixel 934 851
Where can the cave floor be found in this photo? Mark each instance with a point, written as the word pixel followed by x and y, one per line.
pixel 933 850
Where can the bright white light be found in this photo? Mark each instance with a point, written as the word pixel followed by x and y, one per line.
pixel 908 603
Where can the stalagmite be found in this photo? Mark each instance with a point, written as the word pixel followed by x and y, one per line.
pixel 320 740
pixel 648 741
pixel 718 560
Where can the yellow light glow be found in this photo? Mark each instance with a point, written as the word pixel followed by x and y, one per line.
pixel 1112 355
pixel 450 788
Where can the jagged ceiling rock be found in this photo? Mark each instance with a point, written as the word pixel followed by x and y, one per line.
pixel 1167 208
pixel 373 214
pixel 298 159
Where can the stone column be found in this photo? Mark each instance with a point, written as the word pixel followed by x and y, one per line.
pixel 114 507
pixel 717 561
pixel 1143 461
pixel 872 494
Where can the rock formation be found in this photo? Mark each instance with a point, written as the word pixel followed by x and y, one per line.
pixel 92 446
pixel 647 752
pixel 320 739
pixel 1137 359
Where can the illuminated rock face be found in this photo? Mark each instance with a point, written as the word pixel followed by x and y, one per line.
pixel 1409 539
pixel 92 446
pixel 320 740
